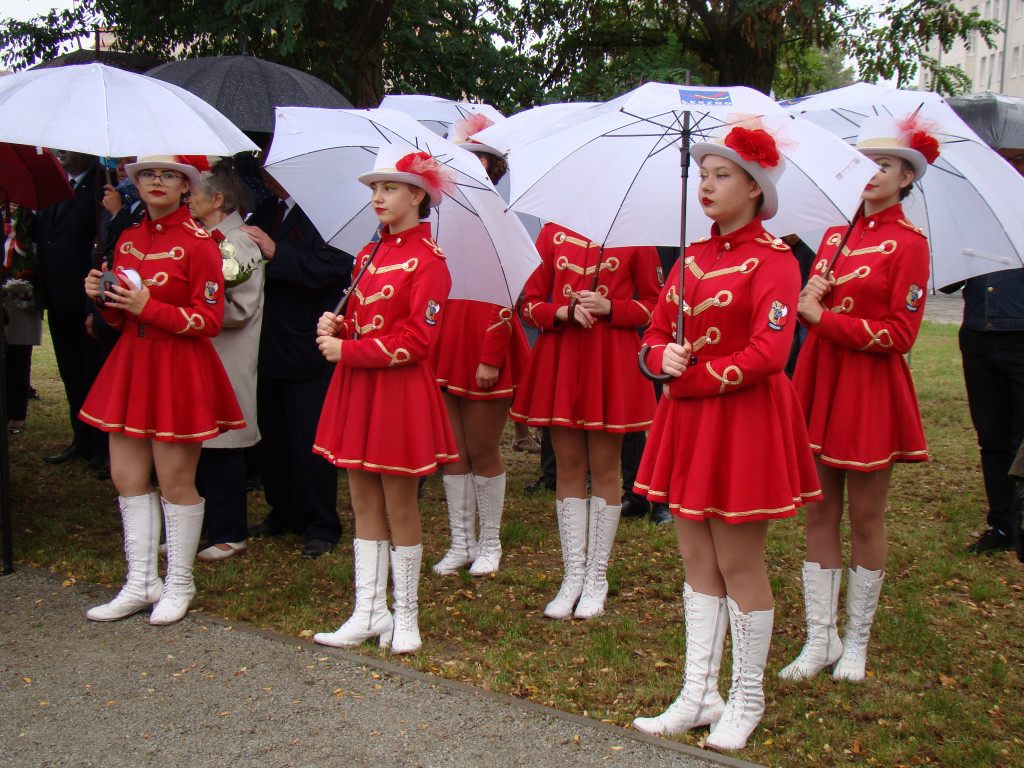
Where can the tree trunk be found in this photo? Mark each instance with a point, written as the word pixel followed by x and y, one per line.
pixel 739 61
pixel 352 44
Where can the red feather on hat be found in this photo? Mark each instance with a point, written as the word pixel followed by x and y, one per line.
pixel 472 124
pixel 437 178
pixel 918 134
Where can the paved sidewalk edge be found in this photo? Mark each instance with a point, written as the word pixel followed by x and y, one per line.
pixel 359 659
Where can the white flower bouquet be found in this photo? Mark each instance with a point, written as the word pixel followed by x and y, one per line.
pixel 234 273
pixel 20 292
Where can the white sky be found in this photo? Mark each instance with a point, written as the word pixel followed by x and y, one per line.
pixel 26 9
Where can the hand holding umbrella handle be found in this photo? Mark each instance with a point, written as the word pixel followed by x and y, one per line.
pixel 575 300
pixel 647 372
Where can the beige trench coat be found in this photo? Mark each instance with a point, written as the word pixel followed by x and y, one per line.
pixel 238 343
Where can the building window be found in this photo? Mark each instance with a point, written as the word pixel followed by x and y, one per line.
pixel 988 9
pixel 1020 8
pixel 995 9
pixel 980 85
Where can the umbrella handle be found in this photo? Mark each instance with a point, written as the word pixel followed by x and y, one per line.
pixel 339 309
pixel 647 372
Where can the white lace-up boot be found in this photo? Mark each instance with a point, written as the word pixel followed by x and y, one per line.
pixel 142 588
pixel 862 592
pixel 460 494
pixel 490 499
pixel 182 526
pixel 751 637
pixel 405 572
pixel 572 530
pixel 699 702
pixel 370 617
pixel 604 523
pixel 821 600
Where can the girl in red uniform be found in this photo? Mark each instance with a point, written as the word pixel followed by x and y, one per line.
pixel 728 446
pixel 863 315
pixel 383 418
pixel 163 390
pixel 582 382
pixel 478 362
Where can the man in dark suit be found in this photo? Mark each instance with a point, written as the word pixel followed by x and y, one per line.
pixel 64 237
pixel 304 278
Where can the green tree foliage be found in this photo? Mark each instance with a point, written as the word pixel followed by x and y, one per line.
pixel 596 48
pixel 516 53
pixel 803 71
pixel 340 41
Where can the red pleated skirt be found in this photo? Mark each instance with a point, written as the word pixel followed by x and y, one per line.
pixel 461 349
pixel 736 457
pixel 386 420
pixel 861 408
pixel 586 379
pixel 172 389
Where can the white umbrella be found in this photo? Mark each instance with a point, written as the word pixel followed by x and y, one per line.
pixel 530 124
pixel 612 171
pixel 969 201
pixel 318 153
pixel 435 112
pixel 101 110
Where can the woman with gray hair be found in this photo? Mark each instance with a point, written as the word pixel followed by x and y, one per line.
pixel 219 203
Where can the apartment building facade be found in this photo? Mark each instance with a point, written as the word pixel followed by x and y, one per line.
pixel 999 68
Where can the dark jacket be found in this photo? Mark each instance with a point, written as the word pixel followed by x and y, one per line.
pixel 64 236
pixel 305 278
pixel 995 302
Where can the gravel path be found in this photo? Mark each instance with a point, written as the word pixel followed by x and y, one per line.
pixel 207 693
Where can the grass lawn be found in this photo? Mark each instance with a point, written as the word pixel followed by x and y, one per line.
pixel 944 683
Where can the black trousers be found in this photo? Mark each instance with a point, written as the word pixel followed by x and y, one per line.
pixel 220 479
pixel 78 363
pixel 994 375
pixel 300 486
pixel 17 370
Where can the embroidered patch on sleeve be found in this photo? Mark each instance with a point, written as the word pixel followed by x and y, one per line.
pixel 778 315
pixel 433 308
pixel 915 296
pixel 661 276
pixel 210 291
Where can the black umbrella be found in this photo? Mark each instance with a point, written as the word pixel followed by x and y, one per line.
pixel 246 89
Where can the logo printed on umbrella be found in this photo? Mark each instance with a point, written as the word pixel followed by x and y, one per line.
pixel 704 97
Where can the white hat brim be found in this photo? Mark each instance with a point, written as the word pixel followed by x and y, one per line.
pixel 916 159
pixel 190 171
pixel 393 175
pixel 771 196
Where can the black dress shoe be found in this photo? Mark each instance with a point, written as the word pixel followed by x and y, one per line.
pixel 316 548
pixel 542 483
pixel 73 451
pixel 992 540
pixel 634 506
pixel 660 514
